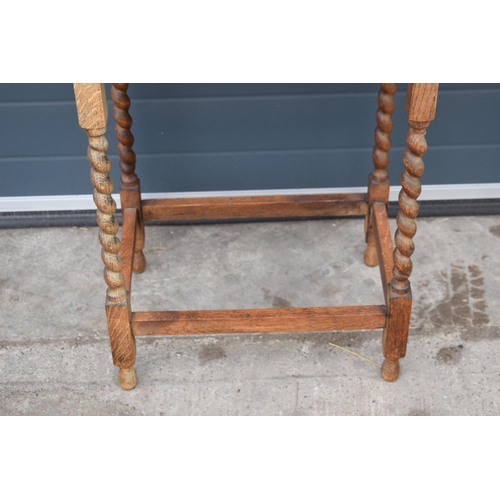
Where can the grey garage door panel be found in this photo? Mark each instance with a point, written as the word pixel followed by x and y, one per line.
pixel 255 124
pixel 193 90
pixel 211 125
pixel 36 92
pixel 313 122
pixel 44 176
pixel 274 170
pixel 236 171
pixel 232 137
pixel 302 170
pixel 58 92
pixel 43 130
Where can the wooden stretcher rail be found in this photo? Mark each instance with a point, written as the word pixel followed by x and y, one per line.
pixel 255 207
pixel 128 243
pixel 383 242
pixel 309 319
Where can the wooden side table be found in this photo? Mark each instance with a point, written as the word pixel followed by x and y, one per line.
pixel 122 258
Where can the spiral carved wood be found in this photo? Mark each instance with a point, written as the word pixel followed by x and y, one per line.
pixel 383 130
pixel 408 206
pixel 106 207
pixel 123 134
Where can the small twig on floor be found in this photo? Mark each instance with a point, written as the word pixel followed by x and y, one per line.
pixel 155 249
pixel 355 354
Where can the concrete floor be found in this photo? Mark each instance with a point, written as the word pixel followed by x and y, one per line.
pixel 55 357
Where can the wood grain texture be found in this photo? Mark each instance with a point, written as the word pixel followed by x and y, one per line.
pixel 120 334
pixel 421 108
pixel 121 260
pixel 129 226
pixel 383 243
pixel 105 214
pixel 124 135
pixel 92 113
pixel 370 257
pixel 127 378
pixel 378 180
pixel 255 207
pixel 416 146
pixel 91 105
pixel 309 319
pixel 131 198
pixel 395 334
pixel 390 370
pixel 378 191
pixel 378 186
pixel 421 101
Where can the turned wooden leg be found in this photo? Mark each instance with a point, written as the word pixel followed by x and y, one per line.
pixel 421 109
pixel 378 180
pixel 92 116
pixel 130 189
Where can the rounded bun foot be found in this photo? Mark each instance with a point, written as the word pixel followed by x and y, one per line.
pixel 390 370
pixel 127 378
pixel 370 257
pixel 139 265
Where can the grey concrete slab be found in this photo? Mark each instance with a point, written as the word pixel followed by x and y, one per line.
pixel 55 358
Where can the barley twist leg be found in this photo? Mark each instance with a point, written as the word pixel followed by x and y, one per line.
pixel 92 113
pixel 117 303
pixel 396 332
pixel 130 191
pixel 408 206
pixel 106 207
pixel 378 181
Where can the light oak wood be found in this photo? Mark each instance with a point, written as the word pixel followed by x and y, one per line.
pixel 127 378
pixel 255 207
pixel 105 215
pixel 92 116
pixel 120 334
pixel 383 243
pixel 378 185
pixel 130 189
pixel 131 198
pixel 416 146
pixel 390 370
pixel 370 257
pixel 121 260
pixel 421 108
pixel 395 336
pixel 378 180
pixel 129 217
pixel 309 319
pixel 421 101
pixel 91 105
pixel 122 342
pixel 124 134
